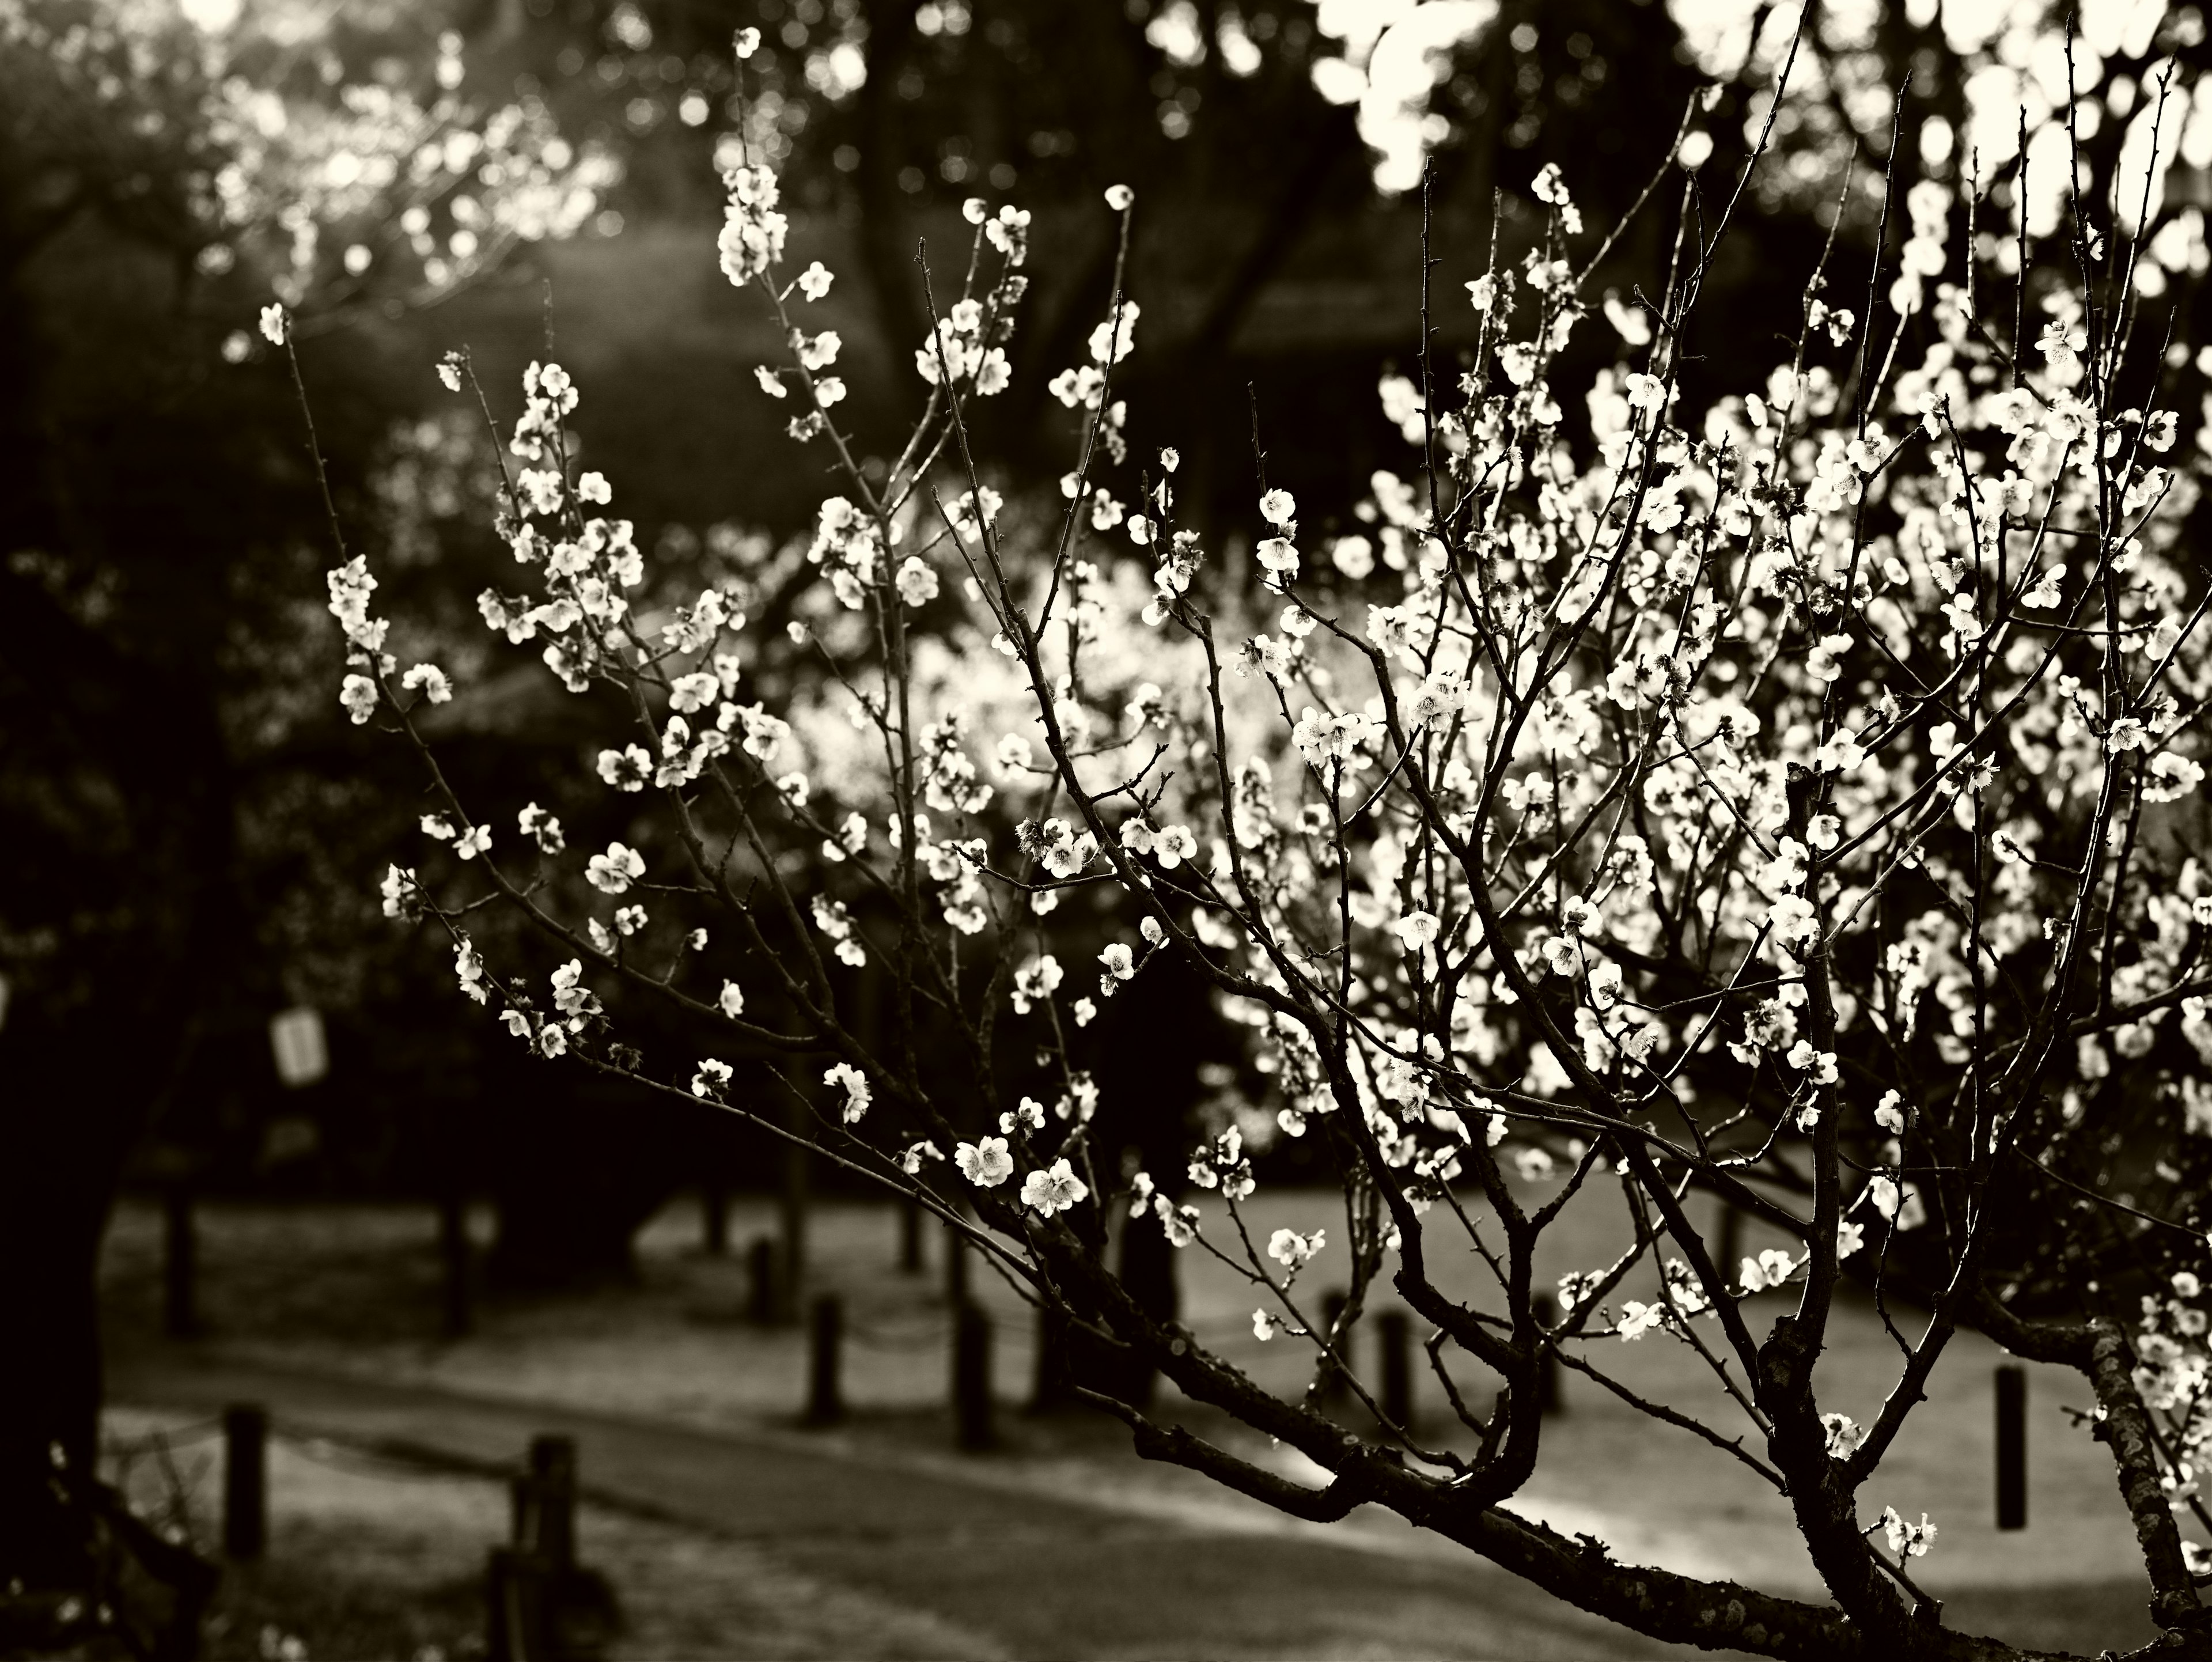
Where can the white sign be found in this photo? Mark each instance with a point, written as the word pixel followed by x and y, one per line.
pixel 297 1038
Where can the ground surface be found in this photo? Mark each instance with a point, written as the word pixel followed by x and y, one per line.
pixel 684 1407
pixel 803 1550
pixel 377 1554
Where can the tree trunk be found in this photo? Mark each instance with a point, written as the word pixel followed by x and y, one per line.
pixel 62 1146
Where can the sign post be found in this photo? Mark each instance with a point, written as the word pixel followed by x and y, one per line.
pixel 295 1039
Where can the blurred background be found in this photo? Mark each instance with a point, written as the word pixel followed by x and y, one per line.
pixel 213 1044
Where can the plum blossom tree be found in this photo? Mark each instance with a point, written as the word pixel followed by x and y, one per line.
pixel 1787 798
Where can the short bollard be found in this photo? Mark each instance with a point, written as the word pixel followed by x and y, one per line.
pixel 1396 1334
pixel 971 1378
pixel 515 1604
pixel 761 1291
pixel 180 1265
pixel 553 1475
pixel 1332 1387
pixel 245 1481
pixel 2012 1446
pixel 1548 1399
pixel 825 1332
pixel 455 1254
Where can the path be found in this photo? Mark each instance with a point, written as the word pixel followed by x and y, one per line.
pixel 354 1290
pixel 1016 1567
pixel 1016 1576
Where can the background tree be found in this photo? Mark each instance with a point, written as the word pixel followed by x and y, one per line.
pixel 165 783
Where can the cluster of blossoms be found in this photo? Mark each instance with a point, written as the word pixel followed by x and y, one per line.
pixel 967 350
pixel 1771 798
pixel 1084 386
pixel 753 229
pixel 849 546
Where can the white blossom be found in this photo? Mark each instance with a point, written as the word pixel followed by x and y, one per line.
pixel 854 1084
pixel 613 872
pixel 985 1163
pixel 1907 1540
pixel 1055 1189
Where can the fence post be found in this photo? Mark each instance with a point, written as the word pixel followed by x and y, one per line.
pixel 2012 1446
pixel 553 1475
pixel 455 1253
pixel 180 1265
pixel 1548 1399
pixel 245 1481
pixel 1396 1333
pixel 826 1324
pixel 515 1601
pixel 972 1377
pixel 1332 1390
pixel 761 1281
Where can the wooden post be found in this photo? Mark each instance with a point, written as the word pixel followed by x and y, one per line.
pixel 792 1282
pixel 826 1324
pixel 553 1472
pixel 455 1252
pixel 1727 1238
pixel 714 1219
pixel 245 1481
pixel 1549 1400
pixel 515 1604
pixel 2012 1446
pixel 1333 1389
pixel 761 1275
pixel 911 1236
pixel 971 1378
pixel 1053 1385
pixel 523 1512
pixel 1148 1276
pixel 180 1265
pixel 955 1268
pixel 1396 1333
